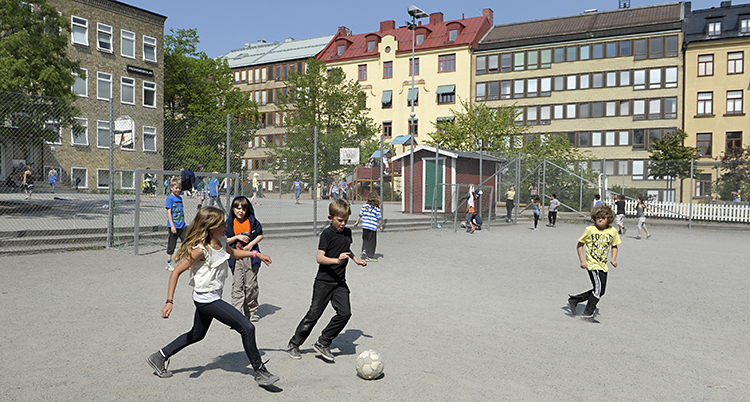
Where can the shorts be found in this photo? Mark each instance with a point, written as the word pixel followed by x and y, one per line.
pixel 641 222
pixel 620 219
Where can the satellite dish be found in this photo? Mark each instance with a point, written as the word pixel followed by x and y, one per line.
pixel 124 131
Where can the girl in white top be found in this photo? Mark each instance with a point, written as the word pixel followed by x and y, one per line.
pixel 205 253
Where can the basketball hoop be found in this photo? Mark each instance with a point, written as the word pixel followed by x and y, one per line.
pixel 123 131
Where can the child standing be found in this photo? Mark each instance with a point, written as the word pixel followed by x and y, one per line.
pixel 598 239
pixel 640 213
pixel 537 205
pixel 372 220
pixel 297 189
pixel 334 250
pixel 52 179
pixel 175 219
pixel 254 200
pixel 213 192
pixel 619 202
pixel 205 254
pixel 552 213
pixel 244 232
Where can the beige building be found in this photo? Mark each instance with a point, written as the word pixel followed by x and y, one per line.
pixel 610 81
pixel 716 41
pixel 120 49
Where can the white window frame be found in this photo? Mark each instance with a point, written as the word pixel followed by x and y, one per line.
pixel 570 112
pixel 559 112
pixel 654 78
pixel 84 182
pixel 611 79
pixel 85 84
pixel 624 138
pixel 735 62
pixel 670 77
pixel 129 87
pixel 625 108
pixel 625 78
pixel 98 174
pixel 149 86
pixel 101 77
pixel 585 81
pixel 127 36
pixel 79 23
pixel 102 128
pixel 85 123
pixel 147 132
pixel 639 79
pixel 149 42
pixel 596 139
pixel 610 109
pixel 59 131
pixel 734 102
pixel 104 31
pixel 639 109
pixel 609 138
pixel 127 186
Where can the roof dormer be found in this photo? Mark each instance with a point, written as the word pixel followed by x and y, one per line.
pixel 372 40
pixel 454 29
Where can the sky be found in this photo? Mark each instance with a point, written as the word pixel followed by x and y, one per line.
pixel 226 25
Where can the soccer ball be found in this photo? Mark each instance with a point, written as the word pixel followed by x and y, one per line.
pixel 369 365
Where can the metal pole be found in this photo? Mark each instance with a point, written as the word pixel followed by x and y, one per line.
pixel 382 173
pixel 435 190
pixel 315 180
pixel 690 213
pixel 544 187
pixel 481 177
pixel 518 188
pixel 229 128
pixel 580 195
pixel 111 213
pixel 411 121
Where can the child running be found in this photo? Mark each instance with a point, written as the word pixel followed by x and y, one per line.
pixel 205 254
pixel 330 283
pixel 640 213
pixel 598 239
pixel 372 220
pixel 175 220
pixel 244 232
pixel 552 213
pixel 537 205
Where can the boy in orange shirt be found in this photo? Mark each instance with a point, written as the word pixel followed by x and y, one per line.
pixel 244 232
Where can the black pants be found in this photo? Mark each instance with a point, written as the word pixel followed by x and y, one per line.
pixel 536 220
pixel 509 204
pixel 323 292
pixel 369 242
pixel 172 239
pixel 552 216
pixel 592 297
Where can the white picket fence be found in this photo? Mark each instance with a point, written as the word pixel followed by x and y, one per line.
pixel 729 212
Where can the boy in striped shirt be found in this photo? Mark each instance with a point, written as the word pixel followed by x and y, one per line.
pixel 372 220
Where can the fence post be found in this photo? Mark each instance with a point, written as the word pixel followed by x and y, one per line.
pixel 690 199
pixel 544 187
pixel 315 180
pixel 435 189
pixel 111 212
pixel 229 127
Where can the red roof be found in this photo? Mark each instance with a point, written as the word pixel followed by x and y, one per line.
pixel 471 30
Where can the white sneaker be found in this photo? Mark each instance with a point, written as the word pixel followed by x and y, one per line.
pixel 169 267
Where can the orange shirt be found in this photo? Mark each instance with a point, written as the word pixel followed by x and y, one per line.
pixel 241 227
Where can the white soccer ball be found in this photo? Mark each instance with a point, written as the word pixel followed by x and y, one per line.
pixel 369 365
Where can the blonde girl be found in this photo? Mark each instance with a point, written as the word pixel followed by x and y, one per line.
pixel 205 253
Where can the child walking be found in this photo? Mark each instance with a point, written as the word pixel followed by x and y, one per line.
pixel 619 201
pixel 598 239
pixel 175 220
pixel 640 213
pixel 552 213
pixel 537 205
pixel 205 254
pixel 244 232
pixel 372 220
pixel 334 251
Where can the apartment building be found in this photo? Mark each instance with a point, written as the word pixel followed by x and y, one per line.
pixel 260 69
pixel 716 40
pixel 610 81
pixel 119 47
pixel 381 62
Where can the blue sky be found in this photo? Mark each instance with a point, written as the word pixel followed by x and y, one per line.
pixel 225 25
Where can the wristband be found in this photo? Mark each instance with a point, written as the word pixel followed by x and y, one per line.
pixel 169 301
pixel 255 253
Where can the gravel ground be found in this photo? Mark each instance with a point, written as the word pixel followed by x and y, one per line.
pixel 455 317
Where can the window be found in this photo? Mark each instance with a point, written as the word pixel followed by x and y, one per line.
pixel 102 134
pixel 447 62
pixel 585 52
pixel 492 63
pixel 103 86
pixel 625 48
pixel 625 108
pixel 481 65
pixel 420 39
pixel 598 80
pixel 583 139
pixel 447 93
pixel 532 87
pixel 341 49
pixel 572 53
pixel 80 31
pixel 670 108
pixel 639 109
pixel 518 89
pixel 127 90
pixel 640 49
pixel 703 185
pixel 598 51
pixel 705 103
pixel 544 114
pixel 654 135
pixel 654 109
pixel 745 26
pixel 506 61
pixel 414 66
pixel 278 73
pixel 531 115
pixel 370 47
pixel 149 49
pixel 714 28
pixel 387 129
pixel 734 63
pixel 597 109
pixel 413 97
pixel 610 109
pixel 558 112
pixel 532 60
pixel 639 142
pixel 481 94
pixel 53 129
pixel 624 138
pixel 612 49
pixel 80 132
pixel 583 110
pixel 362 72
pixel 734 143
pixel 734 102
pixel 546 86
pixel 654 79
pixel 505 89
pixel 414 127
pixel 559 54
pixel 559 83
pixel 705 65
pixel 583 81
pixel 149 94
pixel 519 61
pixel 572 82
pixel 149 139
pixel 612 79
pixel 546 58
pixel 387 100
pixel 388 69
pixel 670 77
pixel 639 79
pixel 102 178
pixel 625 78
pixel 656 48
pixel 596 139
pixel 104 37
pixel 492 89
pixel 452 35
pixel 81 86
pixel 672 46
pixel 127 179
pixel 609 138
pixel 703 144
pixel 570 111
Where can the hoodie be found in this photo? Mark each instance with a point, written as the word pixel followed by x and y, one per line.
pixel 256 229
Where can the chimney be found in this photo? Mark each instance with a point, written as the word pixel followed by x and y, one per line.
pixel 289 39
pixel 344 31
pixel 726 4
pixel 489 14
pixel 387 25
pixel 436 18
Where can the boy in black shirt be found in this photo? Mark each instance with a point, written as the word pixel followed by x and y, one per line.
pixel 619 202
pixel 334 250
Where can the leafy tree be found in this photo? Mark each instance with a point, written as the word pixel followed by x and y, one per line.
pixel 335 105
pixel 35 69
pixel 670 158
pixel 735 168
pixel 198 95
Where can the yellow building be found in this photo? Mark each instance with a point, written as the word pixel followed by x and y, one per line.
pixel 381 60
pixel 610 81
pixel 716 40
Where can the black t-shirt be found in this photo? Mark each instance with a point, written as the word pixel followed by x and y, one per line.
pixel 620 207
pixel 334 243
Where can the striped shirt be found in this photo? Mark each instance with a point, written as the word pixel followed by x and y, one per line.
pixel 370 216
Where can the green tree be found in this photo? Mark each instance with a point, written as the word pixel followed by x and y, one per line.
pixel 35 69
pixel 198 95
pixel 335 105
pixel 735 173
pixel 670 158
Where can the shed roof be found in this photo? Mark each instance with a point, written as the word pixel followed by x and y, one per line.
pixel 262 53
pixel 451 153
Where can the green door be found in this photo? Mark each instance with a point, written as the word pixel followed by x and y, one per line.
pixel 429 184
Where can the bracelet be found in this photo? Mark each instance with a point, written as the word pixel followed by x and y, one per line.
pixel 169 301
pixel 255 253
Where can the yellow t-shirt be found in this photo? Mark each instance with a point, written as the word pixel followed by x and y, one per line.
pixel 598 243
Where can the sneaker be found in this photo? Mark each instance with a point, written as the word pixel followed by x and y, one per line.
pixel 254 317
pixel 325 351
pixel 264 377
pixel 373 259
pixel 638 237
pixel 363 256
pixel 573 305
pixel 624 229
pixel 159 363
pixel 588 317
pixel 472 231
pixel 648 235
pixel 169 266
pixel 293 351
pixel 536 229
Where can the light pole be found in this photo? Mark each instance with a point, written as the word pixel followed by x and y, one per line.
pixel 415 13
